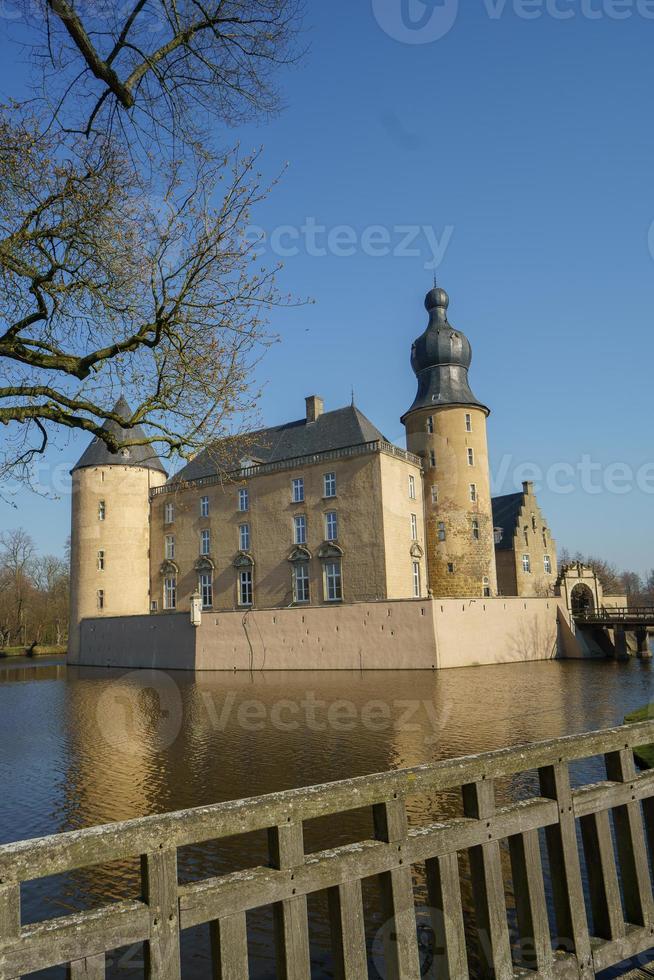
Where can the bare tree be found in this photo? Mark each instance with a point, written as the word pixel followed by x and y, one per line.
pixel 124 263
pixel 17 553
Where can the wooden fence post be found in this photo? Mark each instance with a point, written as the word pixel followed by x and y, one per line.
pixel 9 913
pixel 630 840
pixel 159 884
pixel 401 957
pixel 488 886
pixel 444 889
pixel 286 846
pixel 92 968
pixel 347 930
pixel 229 948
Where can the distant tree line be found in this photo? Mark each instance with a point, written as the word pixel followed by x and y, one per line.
pixel 639 589
pixel 34 591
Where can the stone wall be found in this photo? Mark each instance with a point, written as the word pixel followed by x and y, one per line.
pixel 402 635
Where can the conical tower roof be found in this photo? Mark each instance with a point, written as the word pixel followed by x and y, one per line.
pixel 99 454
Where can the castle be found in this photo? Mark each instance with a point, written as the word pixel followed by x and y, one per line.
pixel 324 511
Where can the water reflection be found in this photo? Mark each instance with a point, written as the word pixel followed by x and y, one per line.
pixel 90 746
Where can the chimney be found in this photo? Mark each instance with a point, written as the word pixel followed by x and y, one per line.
pixel 528 487
pixel 315 408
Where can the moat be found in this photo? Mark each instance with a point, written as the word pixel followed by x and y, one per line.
pixel 90 746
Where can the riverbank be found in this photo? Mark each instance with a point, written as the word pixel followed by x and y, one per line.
pixel 33 651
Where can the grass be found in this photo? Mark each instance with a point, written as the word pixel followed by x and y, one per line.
pixel 643 754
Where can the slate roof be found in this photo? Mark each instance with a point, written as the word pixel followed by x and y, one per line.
pixel 98 454
pixel 332 430
pixel 506 511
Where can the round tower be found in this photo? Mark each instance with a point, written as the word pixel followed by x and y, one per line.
pixel 110 529
pixel 446 427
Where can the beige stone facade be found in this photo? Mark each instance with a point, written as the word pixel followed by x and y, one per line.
pixel 525 549
pixel 356 511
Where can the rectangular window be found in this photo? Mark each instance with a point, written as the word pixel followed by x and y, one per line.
pixel 170 592
pixel 297 490
pixel 487 589
pixel 300 529
pixel 205 542
pixel 301 583
pixel 333 581
pixel 412 488
pixel 416 580
pixel 204 506
pixel 468 422
pixel 441 531
pixel 526 563
pixel 244 537
pixel 544 537
pixel 101 561
pixel 100 598
pixel 475 529
pixel 414 527
pixel 471 457
pixel 434 494
pixel 245 588
pixel 547 562
pixel 331 526
pixel 450 568
pixel 473 492
pixel 432 458
pixel 154 605
pixel 243 499
pixel 206 590
pixel 430 425
pixel 169 513
pixel 329 484
pixel 102 510
pixel 170 546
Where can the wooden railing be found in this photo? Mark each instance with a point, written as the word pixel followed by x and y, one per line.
pixel 620 900
pixel 643 615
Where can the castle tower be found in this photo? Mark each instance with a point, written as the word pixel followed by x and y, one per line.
pixel 110 529
pixel 446 427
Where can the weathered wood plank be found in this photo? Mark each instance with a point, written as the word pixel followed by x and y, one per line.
pixel 159 884
pixel 604 889
pixel 488 887
pixel 531 905
pixel 229 948
pixel 400 930
pixel 75 937
pixel 27 860
pixel 630 841
pixel 606 795
pixel 91 968
pixel 348 934
pixel 444 890
pixel 286 847
pixel 565 869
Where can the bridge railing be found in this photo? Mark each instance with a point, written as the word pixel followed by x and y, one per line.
pixel 619 920
pixel 609 614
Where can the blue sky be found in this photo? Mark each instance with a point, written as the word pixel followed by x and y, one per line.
pixel 525 148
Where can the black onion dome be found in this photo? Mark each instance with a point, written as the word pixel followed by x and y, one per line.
pixel 440 358
pixel 99 454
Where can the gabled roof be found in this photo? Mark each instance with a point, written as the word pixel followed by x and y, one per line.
pixel 98 453
pixel 332 430
pixel 506 511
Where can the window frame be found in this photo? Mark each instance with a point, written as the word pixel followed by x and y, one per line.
pixel 243 500
pixel 100 599
pixel 430 425
pixel 204 506
pixel 473 493
pixel 475 529
pixel 102 510
pixel 297 490
pixel 244 537
pixel 304 579
pixel 205 587
pixel 170 592
pixel 547 564
pixel 169 512
pixel 432 459
pixel 101 560
pixel 300 521
pixel 246 575
pixel 329 484
pixel 414 527
pixel 441 531
pixel 334 579
pixel 412 487
pixel 417 580
pixel 526 564
pixel 331 518
pixel 205 542
pixel 169 547
pixel 471 456
pixel 434 493
pixel 468 422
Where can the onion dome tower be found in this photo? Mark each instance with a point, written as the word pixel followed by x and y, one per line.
pixel 110 528
pixel 446 427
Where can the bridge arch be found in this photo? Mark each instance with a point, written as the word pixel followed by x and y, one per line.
pixel 582 599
